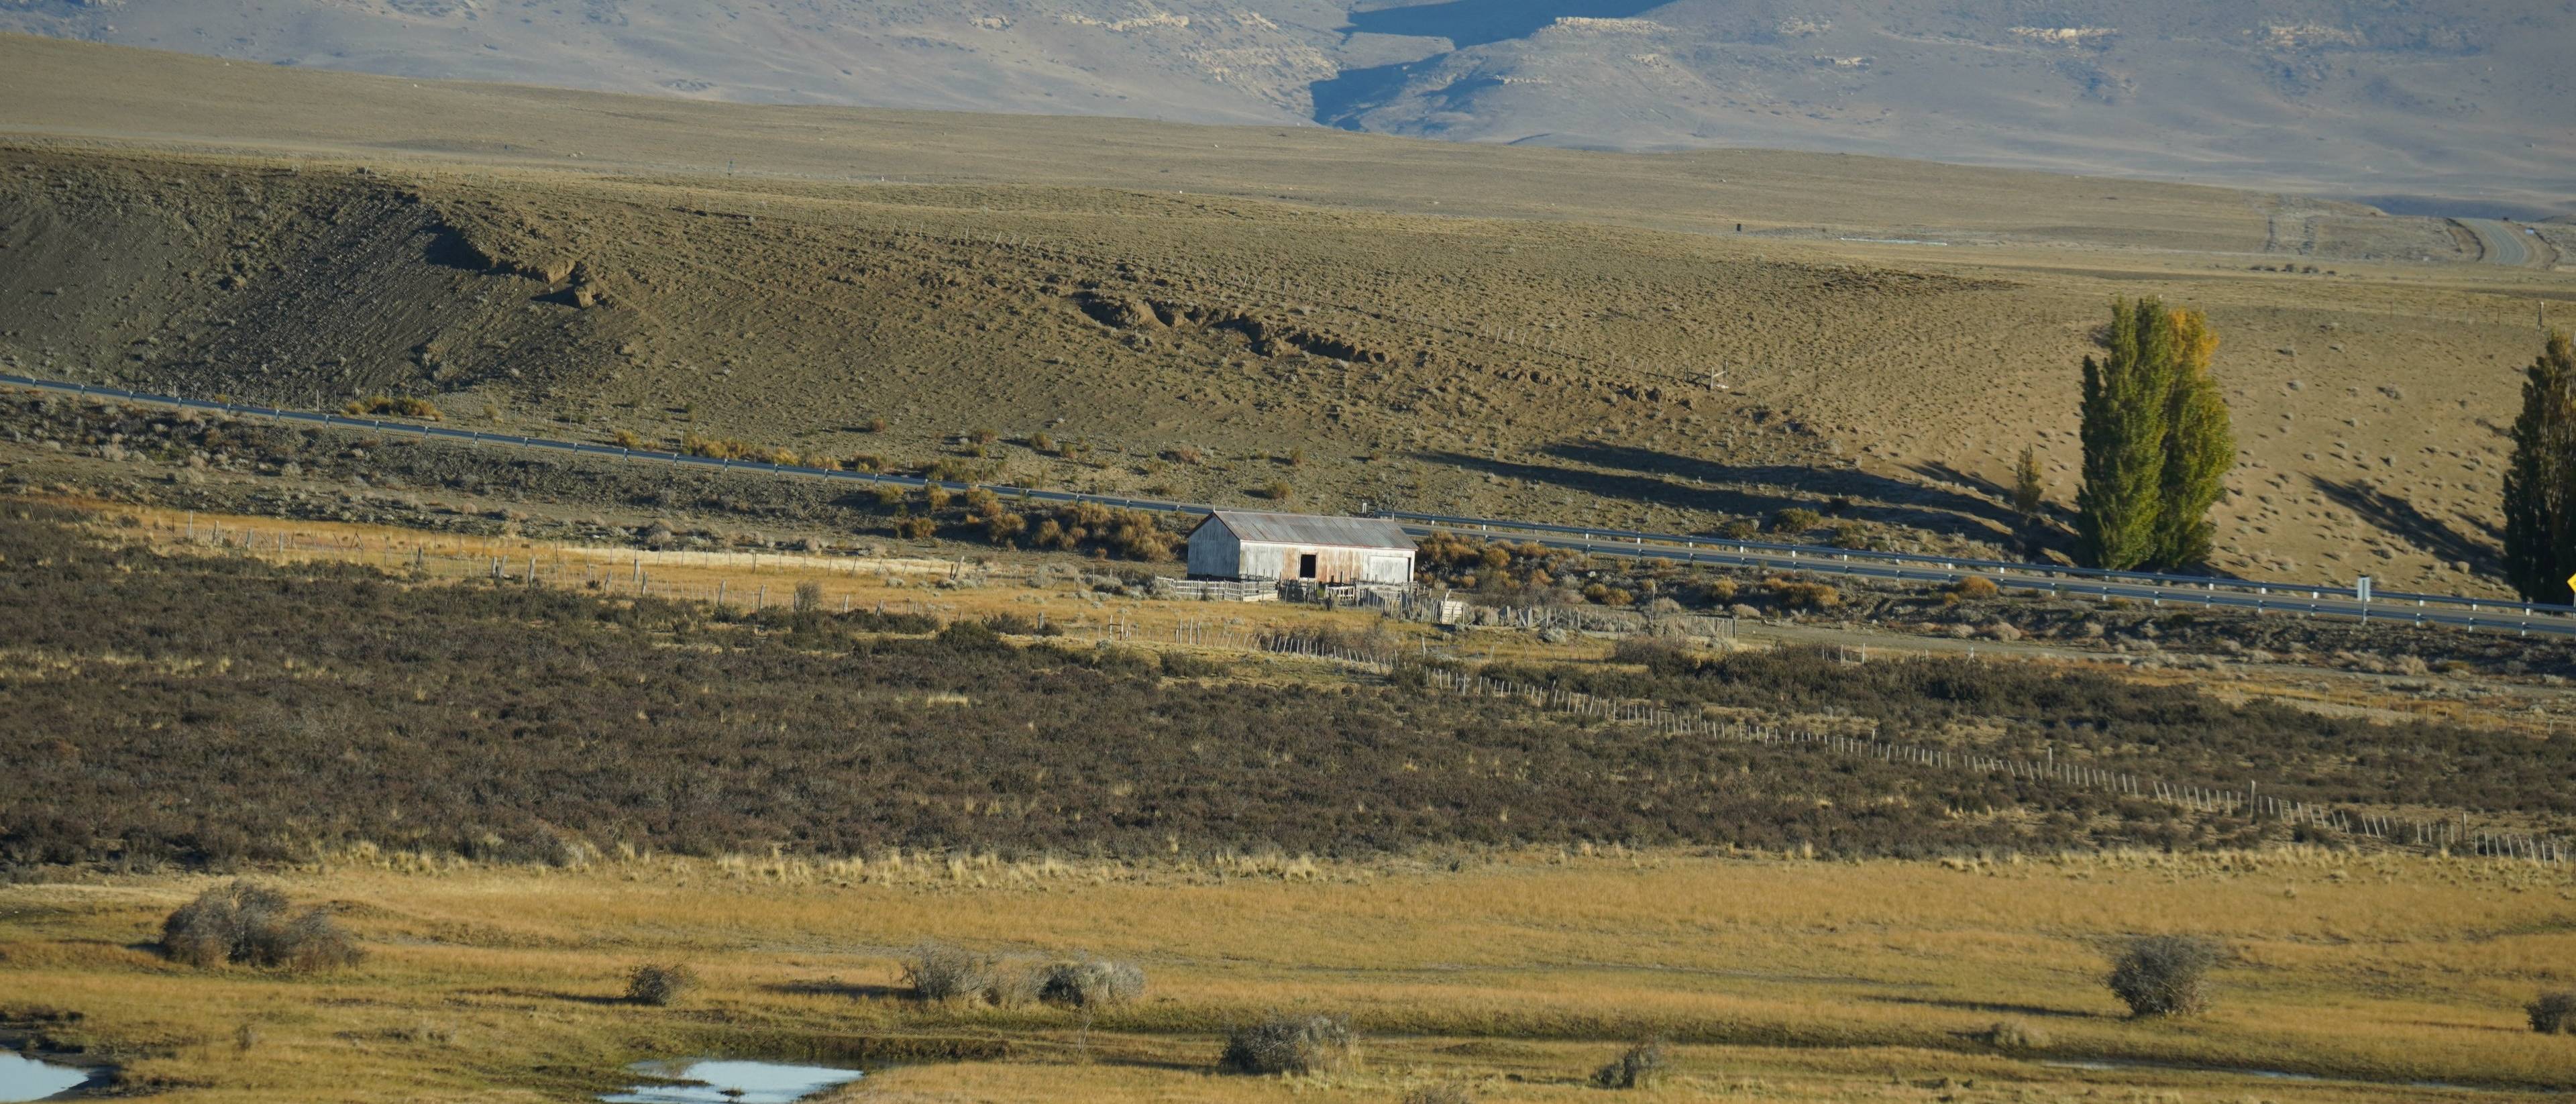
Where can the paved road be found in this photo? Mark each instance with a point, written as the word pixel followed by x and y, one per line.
pixel 2238 595
pixel 2500 242
pixel 2157 590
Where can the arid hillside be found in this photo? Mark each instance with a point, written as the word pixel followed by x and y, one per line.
pixel 1206 312
pixel 2453 109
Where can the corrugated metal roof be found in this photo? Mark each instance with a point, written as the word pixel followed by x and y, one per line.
pixel 1339 532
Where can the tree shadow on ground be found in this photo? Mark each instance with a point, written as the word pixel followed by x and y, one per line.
pixel 2481 550
pixel 1649 477
pixel 1992 1007
pixel 835 987
pixel 555 995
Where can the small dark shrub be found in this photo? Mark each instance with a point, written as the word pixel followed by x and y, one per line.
pixel 385 404
pixel 1185 665
pixel 658 984
pixel 1795 519
pixel 1640 1066
pixel 2553 1013
pixel 1290 1044
pixel 1092 983
pixel 1852 535
pixel 1446 1092
pixel 2164 975
pixel 245 923
pixel 1020 624
pixel 1739 529
pixel 1664 657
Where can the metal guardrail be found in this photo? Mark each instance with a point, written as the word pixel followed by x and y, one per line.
pixel 2015 567
pixel 2207 591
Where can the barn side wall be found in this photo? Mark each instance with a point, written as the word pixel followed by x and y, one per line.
pixel 1212 554
pixel 1332 564
pixel 1215 552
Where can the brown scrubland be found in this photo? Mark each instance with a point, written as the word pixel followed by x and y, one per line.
pixel 570 830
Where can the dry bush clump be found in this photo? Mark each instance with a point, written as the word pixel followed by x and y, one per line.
pixel 2164 975
pixel 2014 1035
pixel 247 924
pixel 1446 1092
pixel 2553 1013
pixel 386 404
pixel 659 984
pixel 1091 983
pixel 1800 595
pixel 1974 587
pixel 939 973
pixel 715 448
pixel 1299 1045
pixel 1638 1067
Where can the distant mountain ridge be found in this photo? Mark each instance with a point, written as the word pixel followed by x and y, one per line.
pixel 2459 107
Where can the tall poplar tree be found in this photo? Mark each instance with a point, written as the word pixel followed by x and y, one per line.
pixel 2127 396
pixel 2540 483
pixel 2200 446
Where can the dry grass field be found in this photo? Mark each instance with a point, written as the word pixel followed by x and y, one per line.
pixel 1204 311
pixel 1777 980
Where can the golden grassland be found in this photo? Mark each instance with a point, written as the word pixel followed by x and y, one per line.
pixel 1777 979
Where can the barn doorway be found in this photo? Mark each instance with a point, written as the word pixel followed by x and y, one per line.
pixel 1306 566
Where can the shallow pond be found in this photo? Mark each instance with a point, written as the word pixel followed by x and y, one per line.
pixel 28 1079
pixel 711 1081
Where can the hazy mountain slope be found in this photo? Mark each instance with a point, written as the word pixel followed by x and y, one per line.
pixel 2464 100
pixel 1198 60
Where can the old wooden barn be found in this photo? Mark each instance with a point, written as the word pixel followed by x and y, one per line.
pixel 1252 545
